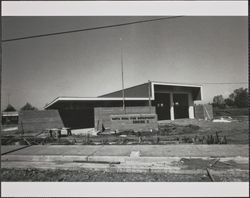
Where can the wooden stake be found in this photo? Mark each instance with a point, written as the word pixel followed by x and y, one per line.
pixel 210 176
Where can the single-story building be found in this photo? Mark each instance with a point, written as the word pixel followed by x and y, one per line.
pixel 9 117
pixel 170 101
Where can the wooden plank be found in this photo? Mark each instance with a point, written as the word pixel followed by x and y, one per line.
pixel 210 175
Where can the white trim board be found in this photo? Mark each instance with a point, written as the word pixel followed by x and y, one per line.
pixel 64 98
pixel 90 99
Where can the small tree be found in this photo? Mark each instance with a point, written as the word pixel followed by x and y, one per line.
pixel 9 108
pixel 241 97
pixel 229 102
pixel 28 106
pixel 218 101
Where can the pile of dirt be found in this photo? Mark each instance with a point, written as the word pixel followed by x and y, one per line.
pixel 174 129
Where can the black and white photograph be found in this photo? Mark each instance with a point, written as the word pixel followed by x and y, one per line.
pixel 125 99
pixel 118 104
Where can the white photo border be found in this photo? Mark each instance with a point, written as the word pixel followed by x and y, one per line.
pixel 126 189
pixel 124 8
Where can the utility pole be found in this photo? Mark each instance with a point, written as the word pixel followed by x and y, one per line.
pixel 8 98
pixel 149 96
pixel 123 94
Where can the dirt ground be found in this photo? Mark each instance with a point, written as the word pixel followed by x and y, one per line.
pixel 236 132
pixel 184 131
pixel 181 131
pixel 101 176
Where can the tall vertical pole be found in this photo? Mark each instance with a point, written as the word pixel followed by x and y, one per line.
pixel 123 94
pixel 8 98
pixel 149 96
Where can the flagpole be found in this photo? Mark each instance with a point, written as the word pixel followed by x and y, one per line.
pixel 149 96
pixel 123 94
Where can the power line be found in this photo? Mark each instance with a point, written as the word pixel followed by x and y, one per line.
pixel 89 29
pixel 204 83
pixel 197 83
pixel 224 83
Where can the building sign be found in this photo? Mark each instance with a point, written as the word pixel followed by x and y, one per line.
pixel 135 122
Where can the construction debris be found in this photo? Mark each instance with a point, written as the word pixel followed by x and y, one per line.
pixel 95 162
pixel 216 160
pixel 223 119
pixel 135 154
pixel 226 163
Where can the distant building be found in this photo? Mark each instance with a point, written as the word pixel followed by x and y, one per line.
pixel 9 118
pixel 171 101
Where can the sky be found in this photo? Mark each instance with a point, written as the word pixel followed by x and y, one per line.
pixel 192 50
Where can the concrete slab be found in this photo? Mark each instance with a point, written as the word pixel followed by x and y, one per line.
pixel 145 150
pixel 117 168
pixel 9 148
pixel 195 150
pixel 175 150
pixel 58 150
pixel 152 158
pixel 122 159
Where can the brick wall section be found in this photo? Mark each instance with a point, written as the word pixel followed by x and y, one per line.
pixel 102 114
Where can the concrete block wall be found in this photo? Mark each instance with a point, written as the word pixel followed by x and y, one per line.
pixel 102 114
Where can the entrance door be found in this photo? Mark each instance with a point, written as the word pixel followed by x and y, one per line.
pixel 180 106
pixel 162 104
